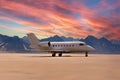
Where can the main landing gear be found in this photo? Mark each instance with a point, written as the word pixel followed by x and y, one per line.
pixel 60 54
pixel 54 54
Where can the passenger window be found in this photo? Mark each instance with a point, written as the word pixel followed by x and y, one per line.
pixel 72 45
pixel 66 45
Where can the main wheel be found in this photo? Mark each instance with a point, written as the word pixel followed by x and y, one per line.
pixel 60 54
pixel 53 54
pixel 86 54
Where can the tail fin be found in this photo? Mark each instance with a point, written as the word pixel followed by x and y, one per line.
pixel 33 40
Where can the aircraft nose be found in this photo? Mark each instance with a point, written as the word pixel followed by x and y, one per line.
pixel 91 48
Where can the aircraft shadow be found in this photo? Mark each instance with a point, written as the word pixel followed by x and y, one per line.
pixel 58 56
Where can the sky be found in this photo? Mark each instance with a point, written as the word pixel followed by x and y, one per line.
pixel 70 18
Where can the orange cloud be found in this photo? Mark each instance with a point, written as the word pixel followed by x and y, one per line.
pixel 58 17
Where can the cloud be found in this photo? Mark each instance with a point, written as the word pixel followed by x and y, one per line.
pixel 65 18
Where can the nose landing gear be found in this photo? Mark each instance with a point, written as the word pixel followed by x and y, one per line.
pixel 86 54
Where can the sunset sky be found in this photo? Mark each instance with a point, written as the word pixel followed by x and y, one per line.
pixel 70 18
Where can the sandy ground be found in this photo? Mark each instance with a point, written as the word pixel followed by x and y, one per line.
pixel 68 67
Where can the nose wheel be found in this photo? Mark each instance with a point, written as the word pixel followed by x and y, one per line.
pixel 86 54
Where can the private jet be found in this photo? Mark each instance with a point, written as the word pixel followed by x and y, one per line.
pixel 58 47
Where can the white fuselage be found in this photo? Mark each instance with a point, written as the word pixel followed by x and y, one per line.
pixel 65 47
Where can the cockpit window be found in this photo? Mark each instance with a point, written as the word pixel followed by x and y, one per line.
pixel 81 44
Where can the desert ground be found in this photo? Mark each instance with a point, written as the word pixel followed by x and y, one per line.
pixel 69 67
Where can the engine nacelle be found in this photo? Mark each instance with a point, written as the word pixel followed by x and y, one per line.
pixel 45 44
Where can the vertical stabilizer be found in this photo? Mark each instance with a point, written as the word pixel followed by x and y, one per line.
pixel 33 40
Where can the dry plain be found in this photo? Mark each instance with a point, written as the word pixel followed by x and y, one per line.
pixel 69 67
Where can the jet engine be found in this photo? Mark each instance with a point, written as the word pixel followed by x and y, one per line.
pixel 45 44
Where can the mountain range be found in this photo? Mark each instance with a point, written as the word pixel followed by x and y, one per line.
pixel 16 44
